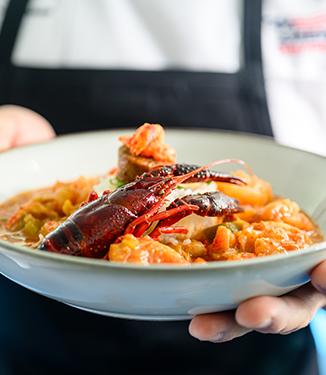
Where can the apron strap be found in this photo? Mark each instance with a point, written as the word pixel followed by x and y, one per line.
pixel 9 30
pixel 252 74
pixel 8 35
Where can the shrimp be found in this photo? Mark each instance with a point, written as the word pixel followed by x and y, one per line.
pixel 143 250
pixel 269 237
pixel 148 141
pixel 284 210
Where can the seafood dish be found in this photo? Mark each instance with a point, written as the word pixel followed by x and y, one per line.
pixel 150 209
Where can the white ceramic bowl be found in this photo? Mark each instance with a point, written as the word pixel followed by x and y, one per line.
pixel 161 292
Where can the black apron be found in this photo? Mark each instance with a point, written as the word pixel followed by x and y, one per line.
pixel 83 99
pixel 42 336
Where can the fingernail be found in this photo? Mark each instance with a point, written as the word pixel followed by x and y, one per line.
pixel 216 338
pixel 321 289
pixel 266 324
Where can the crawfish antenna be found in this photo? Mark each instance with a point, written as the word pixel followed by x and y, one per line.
pixel 180 179
pixel 239 161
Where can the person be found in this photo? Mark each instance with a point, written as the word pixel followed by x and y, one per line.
pixel 43 86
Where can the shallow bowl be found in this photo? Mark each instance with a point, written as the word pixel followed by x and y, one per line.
pixel 162 292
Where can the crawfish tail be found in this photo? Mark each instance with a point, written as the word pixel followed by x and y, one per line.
pixel 90 230
pixel 65 239
pixel 209 204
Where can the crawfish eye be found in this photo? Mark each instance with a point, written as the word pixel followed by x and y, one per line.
pixel 161 192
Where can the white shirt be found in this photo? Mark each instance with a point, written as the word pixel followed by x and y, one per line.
pixel 130 34
pixel 294 57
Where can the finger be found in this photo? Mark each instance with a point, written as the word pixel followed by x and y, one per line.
pixel 318 278
pixel 35 129
pixel 20 126
pixel 7 135
pixel 281 314
pixel 218 327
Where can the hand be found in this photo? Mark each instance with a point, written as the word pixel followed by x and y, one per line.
pixel 265 314
pixel 20 126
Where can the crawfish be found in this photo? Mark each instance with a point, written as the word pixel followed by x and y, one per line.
pixel 90 230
